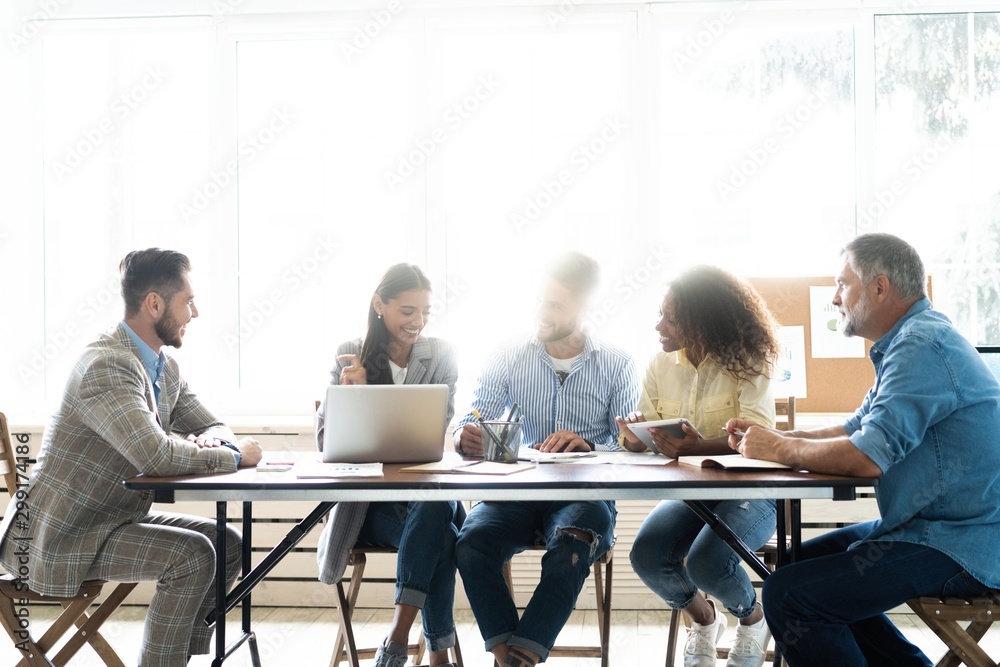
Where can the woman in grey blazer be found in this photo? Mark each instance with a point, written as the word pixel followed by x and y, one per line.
pixel 394 352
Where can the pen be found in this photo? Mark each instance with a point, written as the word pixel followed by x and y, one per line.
pixel 482 427
pixel 738 433
pixel 510 420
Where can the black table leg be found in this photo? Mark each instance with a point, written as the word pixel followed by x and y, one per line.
pixel 796 511
pixel 785 555
pixel 254 576
pixel 220 582
pixel 246 567
pixel 782 535
pixel 221 534
pixel 728 536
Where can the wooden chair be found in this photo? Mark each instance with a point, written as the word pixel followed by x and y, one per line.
pixel 603 570
pixel 784 409
pixel 944 615
pixel 345 647
pixel 15 597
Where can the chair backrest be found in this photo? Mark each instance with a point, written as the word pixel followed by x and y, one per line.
pixel 784 408
pixel 8 461
pixel 991 355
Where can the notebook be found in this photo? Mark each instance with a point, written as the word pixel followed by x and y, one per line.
pixel 384 423
pixel 731 462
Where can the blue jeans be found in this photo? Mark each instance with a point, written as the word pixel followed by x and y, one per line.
pixel 827 609
pixel 672 532
pixel 424 534
pixel 494 532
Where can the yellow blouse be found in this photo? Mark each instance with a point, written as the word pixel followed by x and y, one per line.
pixel 706 396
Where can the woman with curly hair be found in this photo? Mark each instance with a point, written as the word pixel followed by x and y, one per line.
pixel 719 350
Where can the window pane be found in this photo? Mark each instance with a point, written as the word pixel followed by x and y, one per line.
pixel 755 147
pixel 120 135
pixel 536 161
pixel 317 225
pixel 937 137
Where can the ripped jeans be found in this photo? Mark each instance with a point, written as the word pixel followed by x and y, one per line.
pixel 672 533
pixel 495 531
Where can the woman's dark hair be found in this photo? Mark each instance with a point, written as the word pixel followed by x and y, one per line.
pixel 151 270
pixel 375 349
pixel 721 317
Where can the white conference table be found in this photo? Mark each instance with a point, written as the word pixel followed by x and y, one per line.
pixel 554 481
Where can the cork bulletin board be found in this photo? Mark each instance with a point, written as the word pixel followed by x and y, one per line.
pixel 832 385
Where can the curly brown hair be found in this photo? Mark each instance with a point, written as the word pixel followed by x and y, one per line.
pixel 721 317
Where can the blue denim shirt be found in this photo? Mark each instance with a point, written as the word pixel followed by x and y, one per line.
pixel 931 422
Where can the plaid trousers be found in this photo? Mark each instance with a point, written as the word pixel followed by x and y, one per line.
pixel 178 553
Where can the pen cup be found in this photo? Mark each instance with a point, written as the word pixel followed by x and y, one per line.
pixel 500 440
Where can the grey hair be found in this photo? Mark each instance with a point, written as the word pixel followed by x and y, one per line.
pixel 875 254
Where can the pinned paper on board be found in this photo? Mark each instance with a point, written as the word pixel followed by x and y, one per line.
pixel 791 368
pixel 827 339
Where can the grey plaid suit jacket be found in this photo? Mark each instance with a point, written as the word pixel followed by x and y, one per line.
pixel 108 428
pixel 432 361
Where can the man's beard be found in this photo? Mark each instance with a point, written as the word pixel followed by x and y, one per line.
pixel 855 317
pixel 168 330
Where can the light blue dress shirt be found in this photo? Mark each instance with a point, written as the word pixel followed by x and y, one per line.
pixel 154 366
pixel 601 385
pixel 931 422
pixel 150 359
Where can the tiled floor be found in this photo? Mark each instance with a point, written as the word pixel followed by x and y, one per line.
pixel 303 637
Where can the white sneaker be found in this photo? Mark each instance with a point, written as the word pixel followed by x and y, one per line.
pixel 391 654
pixel 750 646
pixel 699 651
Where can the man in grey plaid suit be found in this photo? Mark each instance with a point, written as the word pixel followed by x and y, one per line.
pixel 126 410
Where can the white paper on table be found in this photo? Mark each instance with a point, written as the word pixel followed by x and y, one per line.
pixel 321 470
pixel 824 327
pixel 623 458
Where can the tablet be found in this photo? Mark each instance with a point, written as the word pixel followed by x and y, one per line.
pixel 671 426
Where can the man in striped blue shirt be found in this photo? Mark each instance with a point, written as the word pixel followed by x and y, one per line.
pixel 570 388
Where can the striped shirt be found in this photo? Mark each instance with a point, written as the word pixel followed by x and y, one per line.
pixel 601 385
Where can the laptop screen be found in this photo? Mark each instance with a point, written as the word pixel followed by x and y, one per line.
pixel 991 355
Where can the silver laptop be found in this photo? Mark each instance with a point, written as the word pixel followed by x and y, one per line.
pixel 385 423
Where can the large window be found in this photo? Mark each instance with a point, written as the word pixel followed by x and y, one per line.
pixel 755 139
pixel 295 157
pixel 937 137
